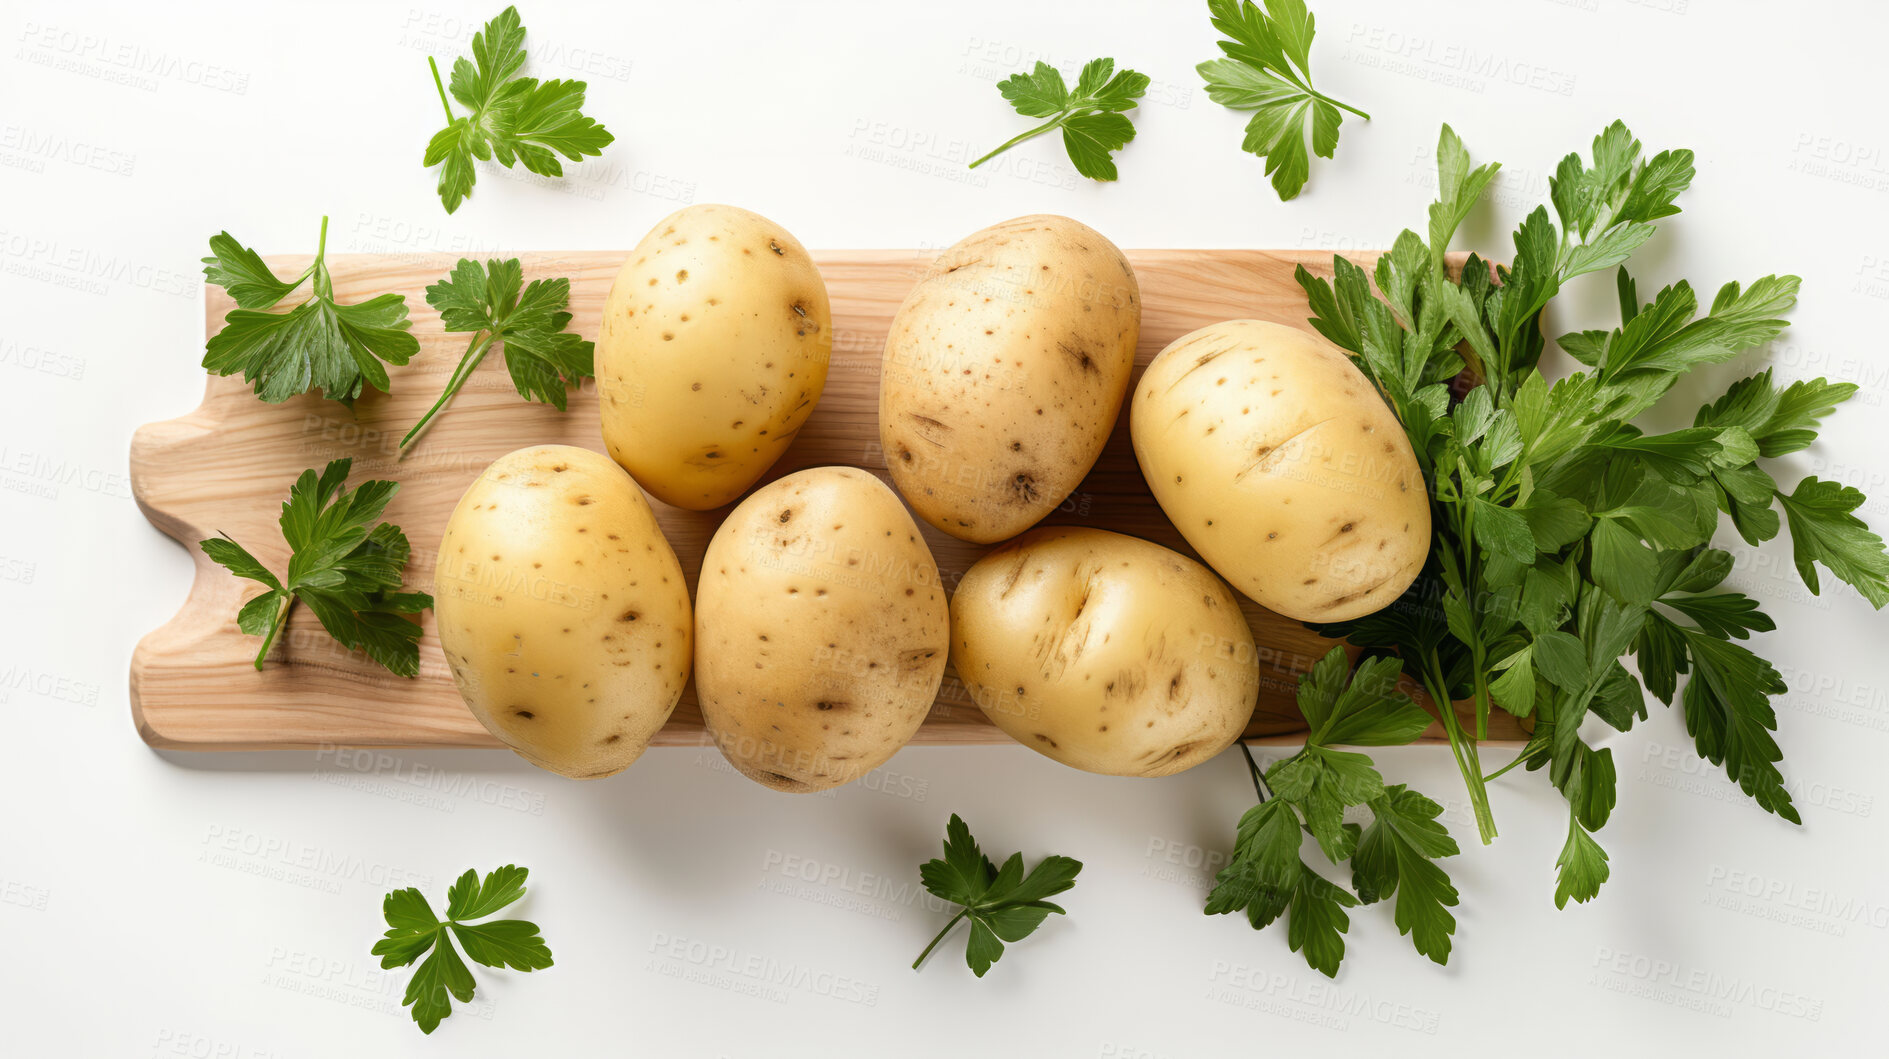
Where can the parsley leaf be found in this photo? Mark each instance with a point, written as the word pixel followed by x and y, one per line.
pixel 514 119
pixel 1268 70
pixel 1090 116
pixel 413 930
pixel 319 344
pixel 347 573
pixel 1266 878
pixel 1397 856
pixel 542 357
pixel 1581 867
pixel 1824 530
pixel 1002 904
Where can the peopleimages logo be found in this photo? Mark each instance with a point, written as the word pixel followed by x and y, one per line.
pixel 1695 988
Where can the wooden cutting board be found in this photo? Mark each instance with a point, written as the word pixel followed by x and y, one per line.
pixel 227 466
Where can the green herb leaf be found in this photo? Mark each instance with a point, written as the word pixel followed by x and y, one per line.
pixel 1268 70
pixel 1090 117
pixel 1397 856
pixel 1003 905
pixel 517 120
pixel 1824 530
pixel 348 574
pixel 544 358
pixel 319 344
pixel 413 931
pixel 1582 866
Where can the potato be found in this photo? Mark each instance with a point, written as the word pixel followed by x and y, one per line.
pixel 821 630
pixel 1106 652
pixel 1003 373
pixel 713 352
pixel 562 610
pixel 1285 470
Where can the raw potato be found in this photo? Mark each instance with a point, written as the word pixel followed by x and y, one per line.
pixel 562 610
pixel 713 352
pixel 821 630
pixel 1285 470
pixel 1106 652
pixel 1003 373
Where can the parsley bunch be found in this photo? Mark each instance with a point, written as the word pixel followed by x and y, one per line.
pixel 1268 70
pixel 348 574
pixel 319 344
pixel 1566 537
pixel 513 118
pixel 1002 904
pixel 413 930
pixel 1091 117
pixel 542 357
pixel 1310 791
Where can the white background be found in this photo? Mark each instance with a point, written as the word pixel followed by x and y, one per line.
pixel 180 904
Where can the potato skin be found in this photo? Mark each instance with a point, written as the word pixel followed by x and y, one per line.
pixel 1003 373
pixel 821 630
pixel 563 611
pixel 1281 465
pixel 1109 653
pixel 712 353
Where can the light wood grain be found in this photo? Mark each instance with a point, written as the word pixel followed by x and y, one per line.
pixel 226 468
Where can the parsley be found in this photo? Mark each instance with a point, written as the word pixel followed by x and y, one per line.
pixel 1565 536
pixel 318 344
pixel 1003 904
pixel 542 357
pixel 1091 116
pixel 413 930
pixel 513 118
pixel 1268 71
pixel 1310 792
pixel 348 574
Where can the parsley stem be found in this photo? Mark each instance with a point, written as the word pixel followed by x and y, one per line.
pixel 1343 106
pixel 941 936
pixel 1462 746
pixel 275 628
pixel 1259 778
pixel 324 284
pixel 441 85
pixel 1014 140
pixel 481 345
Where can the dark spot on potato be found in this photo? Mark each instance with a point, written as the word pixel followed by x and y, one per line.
pixel 612 738
pixel 629 615
pixel 787 514
pixel 526 714
pixel 1046 739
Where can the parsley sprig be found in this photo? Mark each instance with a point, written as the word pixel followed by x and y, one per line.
pixel 1566 537
pixel 1310 792
pixel 1002 904
pixel 543 358
pixel 1090 116
pixel 514 119
pixel 1268 70
pixel 319 344
pixel 413 931
pixel 348 574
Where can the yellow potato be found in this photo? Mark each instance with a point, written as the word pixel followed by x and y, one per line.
pixel 821 630
pixel 1003 373
pixel 562 610
pixel 1106 652
pixel 1284 469
pixel 712 354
